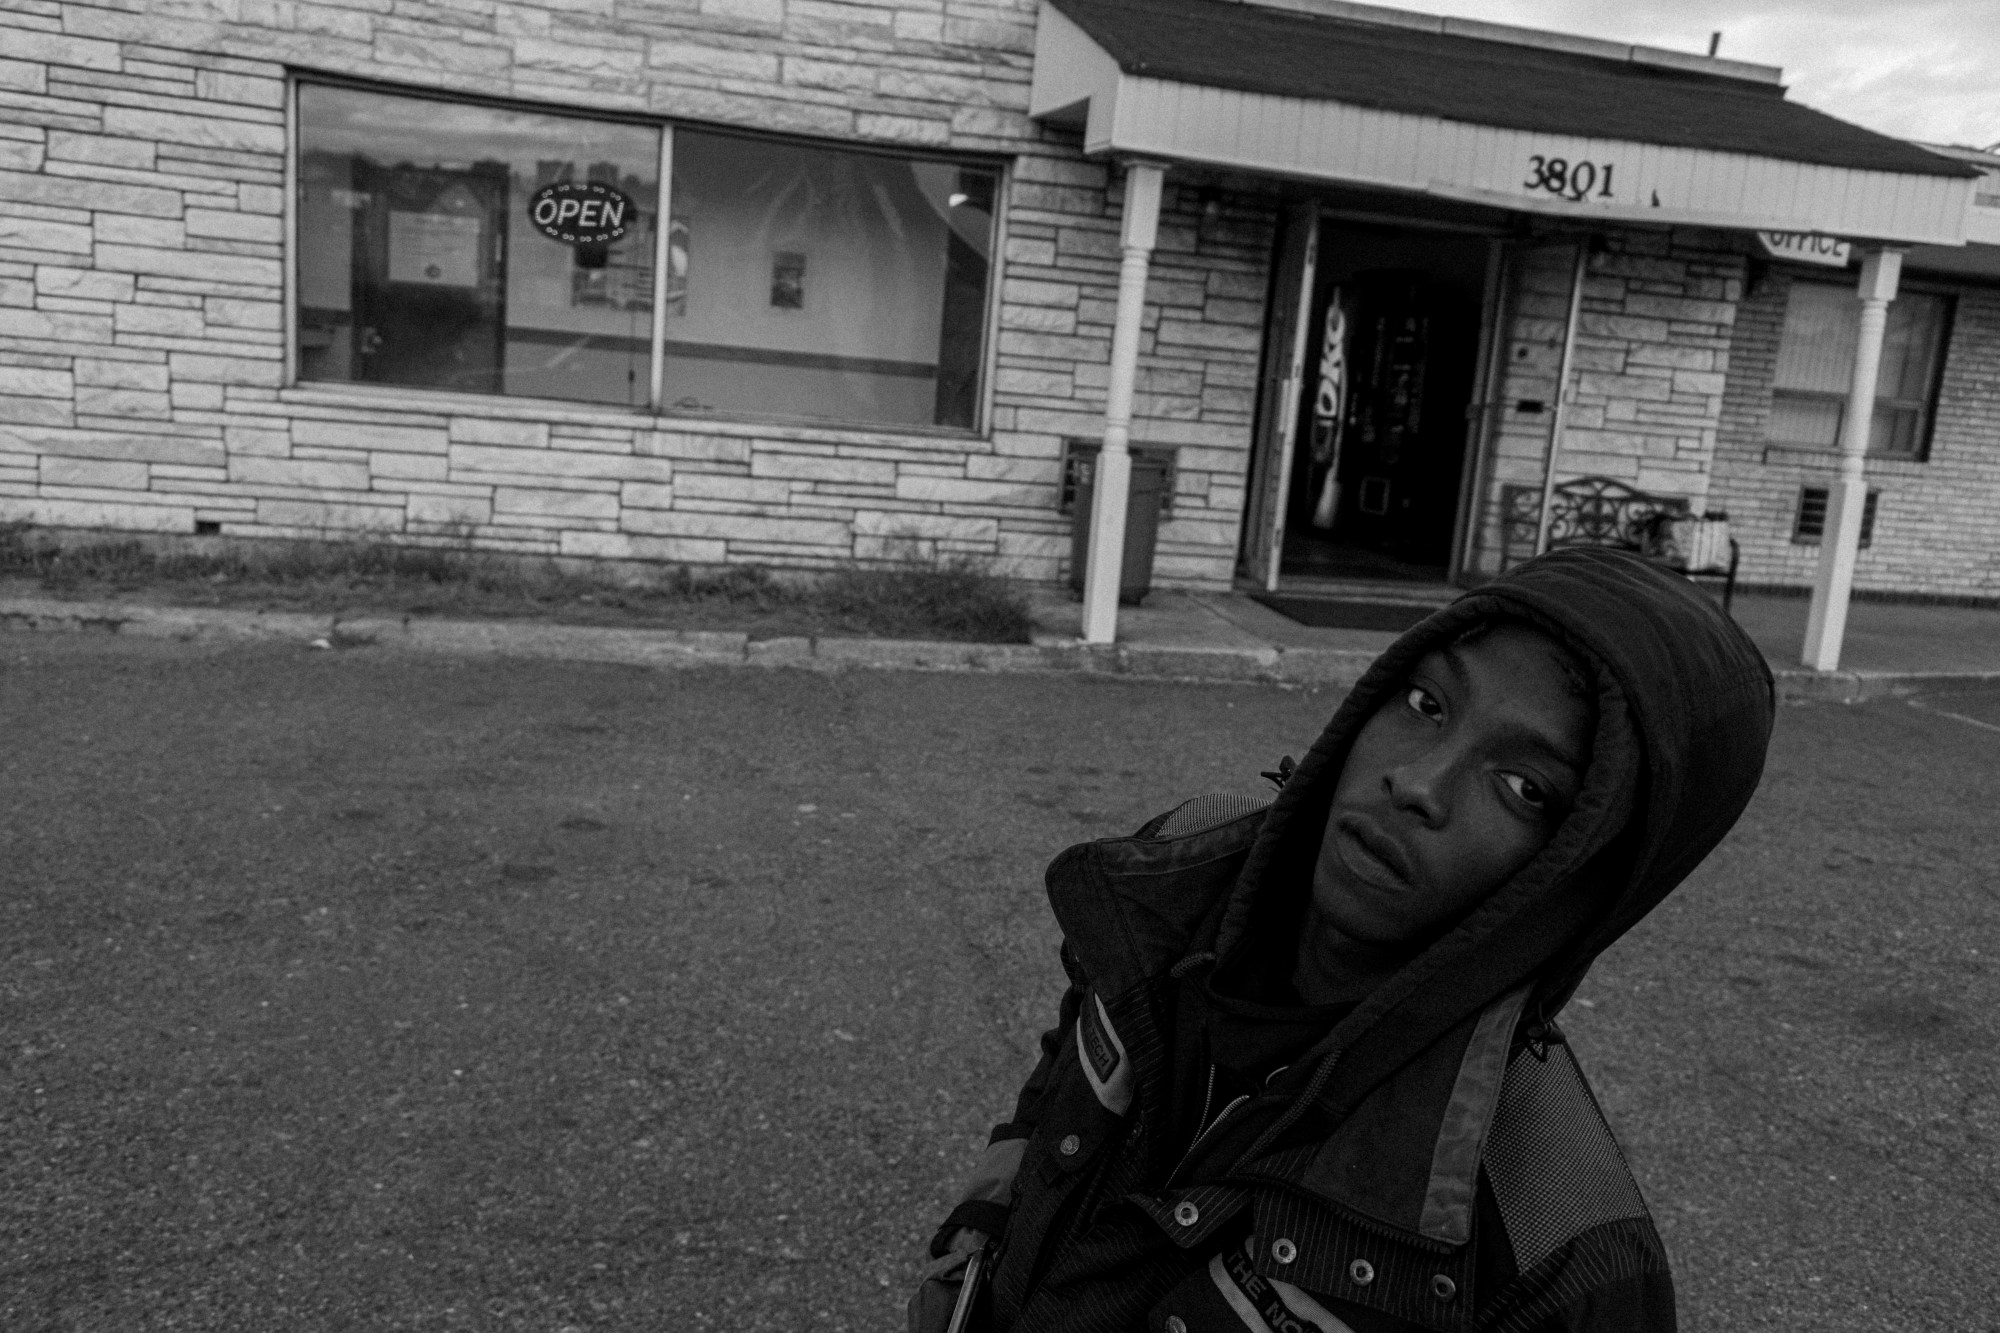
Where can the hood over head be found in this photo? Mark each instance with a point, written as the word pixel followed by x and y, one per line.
pixel 1684 714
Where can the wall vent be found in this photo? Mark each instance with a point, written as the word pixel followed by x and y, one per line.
pixel 1810 522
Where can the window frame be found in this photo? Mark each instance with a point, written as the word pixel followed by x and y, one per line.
pixel 990 296
pixel 1925 408
pixel 656 405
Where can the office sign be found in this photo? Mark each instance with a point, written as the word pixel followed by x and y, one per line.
pixel 581 213
pixel 1806 247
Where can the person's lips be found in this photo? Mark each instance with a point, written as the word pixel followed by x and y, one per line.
pixel 1372 855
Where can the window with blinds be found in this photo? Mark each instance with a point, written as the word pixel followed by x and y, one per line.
pixel 1816 361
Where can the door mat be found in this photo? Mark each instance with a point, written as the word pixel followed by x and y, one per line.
pixel 1335 613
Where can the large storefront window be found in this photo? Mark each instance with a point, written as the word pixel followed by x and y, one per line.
pixel 420 262
pixel 481 249
pixel 1816 360
pixel 827 283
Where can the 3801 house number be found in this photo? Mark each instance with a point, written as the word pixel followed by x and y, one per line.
pixel 1575 181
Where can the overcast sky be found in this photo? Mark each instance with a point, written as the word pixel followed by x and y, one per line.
pixel 1918 69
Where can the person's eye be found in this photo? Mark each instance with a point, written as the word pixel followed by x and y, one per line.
pixel 1423 703
pixel 1530 792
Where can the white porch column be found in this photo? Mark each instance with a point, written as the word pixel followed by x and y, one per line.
pixel 1840 540
pixel 1114 462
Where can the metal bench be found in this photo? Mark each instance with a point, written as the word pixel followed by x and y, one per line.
pixel 1602 511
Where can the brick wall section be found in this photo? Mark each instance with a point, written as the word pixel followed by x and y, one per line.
pixel 141 282
pixel 1935 521
pixel 1652 354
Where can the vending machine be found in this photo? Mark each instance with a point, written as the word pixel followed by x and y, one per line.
pixel 1385 444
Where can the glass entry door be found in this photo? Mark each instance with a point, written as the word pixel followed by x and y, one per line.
pixel 1279 386
pixel 1394 325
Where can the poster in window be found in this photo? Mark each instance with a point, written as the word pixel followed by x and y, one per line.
pixel 677 267
pixel 620 285
pixel 435 249
pixel 622 279
pixel 788 280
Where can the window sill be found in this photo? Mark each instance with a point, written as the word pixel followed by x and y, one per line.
pixel 1819 456
pixel 444 403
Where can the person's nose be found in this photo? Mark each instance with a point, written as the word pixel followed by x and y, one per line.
pixel 1421 785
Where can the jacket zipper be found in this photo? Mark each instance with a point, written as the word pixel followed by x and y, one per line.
pixel 1202 1136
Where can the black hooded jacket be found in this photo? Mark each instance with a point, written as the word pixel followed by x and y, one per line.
pixel 1430 1158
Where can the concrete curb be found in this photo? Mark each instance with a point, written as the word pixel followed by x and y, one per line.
pixel 687 648
pixel 1798 685
pixel 1316 668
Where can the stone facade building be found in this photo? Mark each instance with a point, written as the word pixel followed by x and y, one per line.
pixel 298 270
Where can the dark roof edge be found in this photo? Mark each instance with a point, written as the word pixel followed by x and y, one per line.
pixel 1976 158
pixel 1104 22
pixel 1541 39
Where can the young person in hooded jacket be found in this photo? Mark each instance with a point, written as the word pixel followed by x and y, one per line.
pixel 1307 1073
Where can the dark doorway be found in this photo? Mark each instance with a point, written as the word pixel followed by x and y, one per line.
pixel 429 293
pixel 1382 425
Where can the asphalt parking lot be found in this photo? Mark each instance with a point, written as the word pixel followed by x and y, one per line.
pixel 353 990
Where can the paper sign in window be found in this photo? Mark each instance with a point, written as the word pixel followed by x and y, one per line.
pixel 788 280
pixel 437 249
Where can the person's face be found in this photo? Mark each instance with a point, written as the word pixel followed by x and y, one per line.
pixel 1454 784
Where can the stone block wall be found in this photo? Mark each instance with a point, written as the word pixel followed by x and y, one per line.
pixel 1651 359
pixel 1198 352
pixel 142 268
pixel 1935 522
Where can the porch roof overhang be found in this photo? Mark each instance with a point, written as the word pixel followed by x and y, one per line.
pixel 1979 257
pixel 1474 113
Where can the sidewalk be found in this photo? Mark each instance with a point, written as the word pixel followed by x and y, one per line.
pixel 1891 648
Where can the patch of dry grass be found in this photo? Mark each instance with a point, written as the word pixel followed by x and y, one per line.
pixel 949 599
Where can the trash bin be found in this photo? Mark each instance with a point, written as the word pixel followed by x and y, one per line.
pixel 1150 473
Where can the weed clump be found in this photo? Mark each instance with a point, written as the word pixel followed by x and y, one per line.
pixel 955 598
pixel 126 564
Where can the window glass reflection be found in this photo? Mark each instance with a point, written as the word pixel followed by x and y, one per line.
pixel 1816 351
pixel 420 263
pixel 802 281
pixel 823 283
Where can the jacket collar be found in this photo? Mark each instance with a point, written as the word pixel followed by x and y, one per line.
pixel 1406 1158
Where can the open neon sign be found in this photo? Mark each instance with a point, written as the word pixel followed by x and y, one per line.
pixel 581 213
